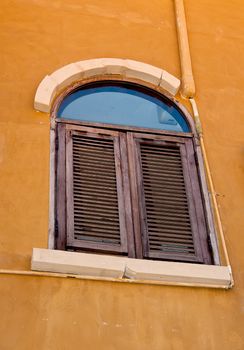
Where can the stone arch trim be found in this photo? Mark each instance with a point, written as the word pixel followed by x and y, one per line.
pixel 124 69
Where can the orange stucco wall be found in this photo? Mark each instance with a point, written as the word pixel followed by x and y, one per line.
pixel 36 38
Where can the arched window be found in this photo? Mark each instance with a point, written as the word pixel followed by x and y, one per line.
pixel 127 176
pixel 114 103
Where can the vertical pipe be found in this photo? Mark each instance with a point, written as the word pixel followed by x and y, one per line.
pixel 188 84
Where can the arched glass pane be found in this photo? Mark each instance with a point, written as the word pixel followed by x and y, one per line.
pixel 122 106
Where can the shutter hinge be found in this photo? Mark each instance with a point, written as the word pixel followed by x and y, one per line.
pixel 53 124
pixel 209 244
pixel 55 233
pixel 56 228
pixel 56 144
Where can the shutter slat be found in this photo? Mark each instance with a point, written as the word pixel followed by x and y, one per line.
pixel 105 190
pixel 169 150
pixel 173 249
pixel 166 199
pixel 164 192
pixel 166 187
pixel 90 180
pixel 82 182
pixel 94 173
pixel 90 204
pixel 93 191
pixel 167 223
pixel 168 215
pixel 166 169
pixel 90 236
pixel 89 230
pixel 102 215
pixel 92 141
pixel 98 222
pixel 154 160
pixel 167 238
pixel 149 174
pixel 91 157
pixel 90 226
pixel 94 197
pixel 90 165
pixel 166 179
pixel 166 207
pixel 96 147
pixel 165 228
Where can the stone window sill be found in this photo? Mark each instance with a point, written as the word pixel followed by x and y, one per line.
pixel 122 269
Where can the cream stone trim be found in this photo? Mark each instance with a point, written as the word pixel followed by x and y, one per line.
pixel 107 267
pixel 52 84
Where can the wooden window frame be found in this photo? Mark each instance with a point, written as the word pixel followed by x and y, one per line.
pixel 136 245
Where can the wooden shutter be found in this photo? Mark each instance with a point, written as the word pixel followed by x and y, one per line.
pixel 170 205
pixel 95 195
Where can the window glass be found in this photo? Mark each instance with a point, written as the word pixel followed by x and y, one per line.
pixel 122 105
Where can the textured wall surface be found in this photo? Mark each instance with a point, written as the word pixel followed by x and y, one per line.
pixel 39 36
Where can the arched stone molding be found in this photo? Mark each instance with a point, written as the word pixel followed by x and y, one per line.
pixel 125 69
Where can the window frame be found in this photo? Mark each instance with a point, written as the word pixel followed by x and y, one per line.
pixel 55 122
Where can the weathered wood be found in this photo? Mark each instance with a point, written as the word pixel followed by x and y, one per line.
pixel 141 197
pixel 52 188
pixel 134 196
pixel 198 201
pixel 95 246
pixel 207 205
pixel 120 194
pixel 127 196
pixel 124 128
pixel 191 203
pixel 163 140
pixel 69 188
pixel 60 186
pixel 91 131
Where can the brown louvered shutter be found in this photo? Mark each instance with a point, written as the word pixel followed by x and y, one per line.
pixel 95 182
pixel 172 220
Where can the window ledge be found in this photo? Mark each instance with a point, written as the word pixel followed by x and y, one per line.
pixel 104 267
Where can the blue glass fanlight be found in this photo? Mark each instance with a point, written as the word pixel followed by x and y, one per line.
pixel 122 105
